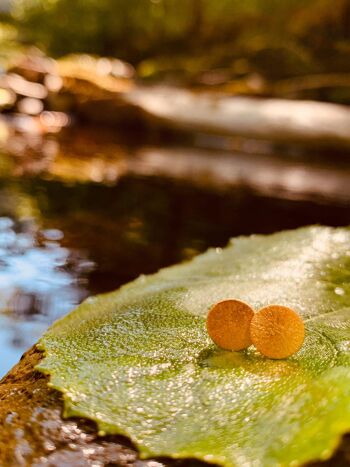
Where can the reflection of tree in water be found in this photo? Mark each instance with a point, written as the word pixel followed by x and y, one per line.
pixel 133 226
pixel 39 281
pixel 144 223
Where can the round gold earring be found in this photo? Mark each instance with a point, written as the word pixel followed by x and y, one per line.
pixel 277 331
pixel 228 324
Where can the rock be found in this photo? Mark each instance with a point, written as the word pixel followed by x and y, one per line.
pixel 302 122
pixel 34 66
pixel 34 434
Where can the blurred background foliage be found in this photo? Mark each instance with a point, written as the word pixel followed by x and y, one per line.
pixel 277 39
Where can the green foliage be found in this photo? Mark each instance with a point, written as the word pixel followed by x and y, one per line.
pixel 9 47
pixel 282 38
pixel 139 362
pixel 127 28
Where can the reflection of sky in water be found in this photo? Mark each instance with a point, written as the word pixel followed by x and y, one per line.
pixel 39 282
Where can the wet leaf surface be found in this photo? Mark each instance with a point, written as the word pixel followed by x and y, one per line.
pixel 139 363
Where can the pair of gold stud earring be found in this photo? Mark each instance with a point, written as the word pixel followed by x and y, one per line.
pixel 275 330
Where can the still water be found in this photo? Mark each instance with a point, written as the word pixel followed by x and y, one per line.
pixel 80 218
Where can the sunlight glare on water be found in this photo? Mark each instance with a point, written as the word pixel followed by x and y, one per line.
pixel 40 281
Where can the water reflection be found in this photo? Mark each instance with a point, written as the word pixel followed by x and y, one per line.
pixel 39 281
pixel 85 212
pixel 84 156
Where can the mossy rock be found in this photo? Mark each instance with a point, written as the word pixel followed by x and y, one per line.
pixel 33 432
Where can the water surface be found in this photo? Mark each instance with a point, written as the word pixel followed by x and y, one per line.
pixel 80 216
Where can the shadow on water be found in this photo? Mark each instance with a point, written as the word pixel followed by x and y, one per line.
pixel 66 231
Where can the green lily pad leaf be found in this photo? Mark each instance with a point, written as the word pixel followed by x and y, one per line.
pixel 138 361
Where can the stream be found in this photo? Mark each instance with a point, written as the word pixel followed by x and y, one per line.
pixel 81 216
